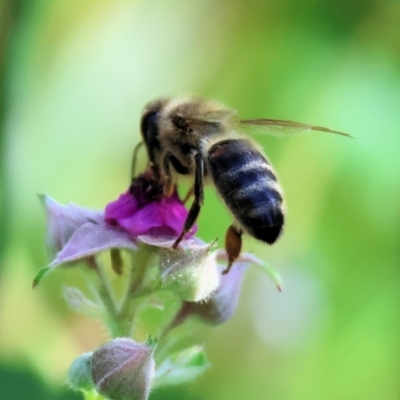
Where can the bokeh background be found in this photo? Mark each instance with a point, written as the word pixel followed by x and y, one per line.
pixel 74 77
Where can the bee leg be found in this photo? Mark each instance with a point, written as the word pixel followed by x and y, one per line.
pixel 169 187
pixel 134 159
pixel 170 159
pixel 189 194
pixel 233 246
pixel 198 199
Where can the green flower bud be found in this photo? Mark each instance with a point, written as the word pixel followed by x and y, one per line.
pixel 222 304
pixel 191 273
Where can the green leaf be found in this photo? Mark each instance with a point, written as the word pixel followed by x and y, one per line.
pixel 181 367
pixel 79 374
pixel 151 342
pixel 40 275
pixel 80 303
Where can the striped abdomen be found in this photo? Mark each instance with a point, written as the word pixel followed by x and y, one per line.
pixel 244 179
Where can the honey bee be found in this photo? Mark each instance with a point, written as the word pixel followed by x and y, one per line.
pixel 198 138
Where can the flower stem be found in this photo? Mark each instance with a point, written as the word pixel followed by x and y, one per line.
pixel 140 263
pixel 106 296
pixel 179 318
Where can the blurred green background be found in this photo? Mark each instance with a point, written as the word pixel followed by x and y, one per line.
pixel 74 77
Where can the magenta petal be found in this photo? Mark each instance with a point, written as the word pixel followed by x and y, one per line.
pixel 141 221
pixel 90 239
pixel 142 212
pixel 121 208
pixel 175 214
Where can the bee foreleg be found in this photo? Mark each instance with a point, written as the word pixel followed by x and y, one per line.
pixel 233 246
pixel 169 187
pixel 170 159
pixel 189 194
pixel 198 199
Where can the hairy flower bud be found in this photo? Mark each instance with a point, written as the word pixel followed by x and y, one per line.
pixel 222 304
pixel 123 369
pixel 191 273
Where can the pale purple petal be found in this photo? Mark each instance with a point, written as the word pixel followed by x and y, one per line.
pixel 63 221
pixel 167 241
pixel 251 259
pixel 90 239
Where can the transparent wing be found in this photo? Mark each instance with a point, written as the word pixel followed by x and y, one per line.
pixel 284 128
pixel 214 116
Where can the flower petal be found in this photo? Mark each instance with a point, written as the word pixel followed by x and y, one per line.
pixel 90 239
pixel 143 210
pixel 174 214
pixel 63 221
pixel 250 258
pixel 167 241
pixel 121 208
pixel 143 220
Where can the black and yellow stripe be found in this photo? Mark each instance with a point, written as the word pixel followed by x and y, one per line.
pixel 246 182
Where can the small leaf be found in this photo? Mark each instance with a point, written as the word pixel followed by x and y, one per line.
pixel 151 342
pixel 181 367
pixel 79 373
pixel 40 275
pixel 80 303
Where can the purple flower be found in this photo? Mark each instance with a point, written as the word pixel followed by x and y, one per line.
pixel 141 216
pixel 143 210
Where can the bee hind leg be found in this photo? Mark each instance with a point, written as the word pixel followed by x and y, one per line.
pixel 233 246
pixel 198 199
